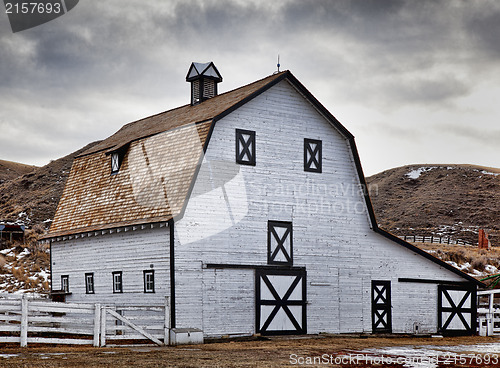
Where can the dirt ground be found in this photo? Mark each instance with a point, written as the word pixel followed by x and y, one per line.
pixel 274 352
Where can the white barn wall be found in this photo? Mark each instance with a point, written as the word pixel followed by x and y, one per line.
pixel 332 234
pixel 131 252
pixel 228 305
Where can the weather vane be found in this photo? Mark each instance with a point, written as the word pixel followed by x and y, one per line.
pixel 278 63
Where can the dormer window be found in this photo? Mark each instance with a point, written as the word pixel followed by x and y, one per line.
pixel 245 147
pixel 117 159
pixel 312 155
pixel 115 162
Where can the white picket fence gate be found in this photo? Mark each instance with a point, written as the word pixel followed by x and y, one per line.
pixel 27 320
pixel 488 312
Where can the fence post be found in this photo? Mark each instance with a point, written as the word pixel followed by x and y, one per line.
pixel 103 326
pixel 490 315
pixel 24 321
pixel 97 324
pixel 168 321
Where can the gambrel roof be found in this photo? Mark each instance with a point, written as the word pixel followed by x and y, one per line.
pixel 163 153
pixel 163 156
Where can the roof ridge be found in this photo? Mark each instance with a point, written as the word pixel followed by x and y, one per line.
pixel 167 120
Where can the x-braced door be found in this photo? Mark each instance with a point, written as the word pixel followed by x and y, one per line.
pixel 281 301
pixel 457 309
pixel 381 307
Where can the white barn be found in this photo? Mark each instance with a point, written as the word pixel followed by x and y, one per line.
pixel 250 210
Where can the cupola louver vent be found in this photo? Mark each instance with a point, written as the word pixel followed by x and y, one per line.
pixel 204 78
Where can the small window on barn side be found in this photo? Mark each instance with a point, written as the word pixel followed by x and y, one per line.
pixel 117 282
pixel 279 243
pixel 115 162
pixel 89 283
pixel 312 155
pixel 245 147
pixel 116 159
pixel 65 283
pixel 149 281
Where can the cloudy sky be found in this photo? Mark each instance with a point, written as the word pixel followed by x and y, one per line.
pixel 414 81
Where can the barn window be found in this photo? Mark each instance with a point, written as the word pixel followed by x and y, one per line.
pixel 245 147
pixel 89 283
pixel 279 243
pixel 115 163
pixel 117 282
pixel 117 159
pixel 312 155
pixel 149 281
pixel 65 283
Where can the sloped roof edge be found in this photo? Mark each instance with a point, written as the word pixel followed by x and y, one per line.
pixel 97 228
pixel 392 237
pixel 429 256
pixel 186 114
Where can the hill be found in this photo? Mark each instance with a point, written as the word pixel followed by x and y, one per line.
pixel 446 200
pixel 10 170
pixel 33 197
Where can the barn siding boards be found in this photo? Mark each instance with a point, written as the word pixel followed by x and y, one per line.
pixel 227 303
pixel 130 252
pixel 225 222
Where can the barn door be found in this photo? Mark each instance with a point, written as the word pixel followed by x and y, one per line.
pixel 280 301
pixel 381 307
pixel 457 310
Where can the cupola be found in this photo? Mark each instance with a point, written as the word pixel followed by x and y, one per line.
pixel 203 78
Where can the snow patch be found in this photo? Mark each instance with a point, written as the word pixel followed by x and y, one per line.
pixel 489 173
pixel 7 356
pixel 6 252
pixel 491 269
pixel 430 356
pixel 415 174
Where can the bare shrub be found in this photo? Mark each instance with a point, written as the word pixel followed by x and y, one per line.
pixel 479 263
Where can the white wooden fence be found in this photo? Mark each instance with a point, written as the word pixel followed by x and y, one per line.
pixel 433 239
pixel 26 320
pixel 488 312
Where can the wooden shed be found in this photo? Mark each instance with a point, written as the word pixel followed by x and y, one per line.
pixel 10 231
pixel 250 210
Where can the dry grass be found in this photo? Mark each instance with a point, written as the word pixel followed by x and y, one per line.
pixel 273 353
pixel 21 273
pixel 461 254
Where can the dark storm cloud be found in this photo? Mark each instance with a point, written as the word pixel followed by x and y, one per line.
pixel 105 63
pixel 437 90
pixel 485 29
pixel 481 135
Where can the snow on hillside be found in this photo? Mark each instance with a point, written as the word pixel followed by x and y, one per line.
pixel 24 267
